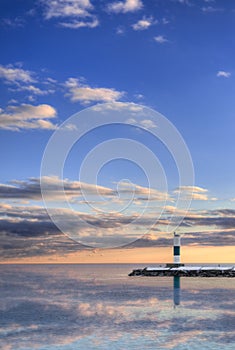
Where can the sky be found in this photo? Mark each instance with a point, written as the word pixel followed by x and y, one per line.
pixel 162 73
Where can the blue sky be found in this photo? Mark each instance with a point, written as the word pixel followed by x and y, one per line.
pixel 176 57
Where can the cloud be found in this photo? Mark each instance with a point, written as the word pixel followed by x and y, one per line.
pixel 160 39
pixel 194 189
pixel 125 6
pixel 144 192
pixel 119 106
pixel 79 92
pixel 145 123
pixel 29 231
pixel 27 116
pixel 120 30
pixel 16 22
pixel 211 9
pixel 33 90
pixel 184 2
pixel 21 80
pixel 99 220
pixel 144 23
pixel 16 75
pixel 53 187
pixel 66 8
pixel 94 22
pixel 199 196
pixel 195 192
pixel 222 73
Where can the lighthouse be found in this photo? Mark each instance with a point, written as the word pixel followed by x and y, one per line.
pixel 176 248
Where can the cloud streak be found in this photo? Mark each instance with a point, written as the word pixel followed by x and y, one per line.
pixel 91 23
pixel 224 74
pixel 160 39
pixel 85 94
pixel 194 192
pixel 27 116
pixel 15 75
pixel 66 8
pixel 144 23
pixel 125 6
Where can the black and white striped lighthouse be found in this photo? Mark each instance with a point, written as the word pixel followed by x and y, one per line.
pixel 176 248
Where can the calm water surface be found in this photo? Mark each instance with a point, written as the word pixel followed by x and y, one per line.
pixel 66 307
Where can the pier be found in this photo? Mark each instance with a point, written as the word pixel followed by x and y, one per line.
pixel 177 269
pixel 186 271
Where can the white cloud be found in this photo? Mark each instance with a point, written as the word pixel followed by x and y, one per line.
pixel 119 106
pixel 125 6
pixel 120 30
pixel 211 9
pixel 185 2
pixel 27 116
pixel 13 22
pixel 195 192
pixel 72 189
pixel 34 90
pixel 165 21
pixel 139 96
pixel 15 75
pixel 53 188
pixel 86 94
pixel 145 123
pixel 200 197
pixel 194 189
pixel 145 192
pixel 222 73
pixel 160 39
pixel 81 24
pixel 144 23
pixel 67 8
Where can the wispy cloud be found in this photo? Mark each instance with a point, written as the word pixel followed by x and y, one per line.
pixel 144 193
pixel 224 74
pixel 16 22
pixel 120 30
pixel 79 92
pixel 27 116
pixel 76 14
pixel 194 192
pixel 76 24
pixel 33 90
pixel 144 23
pixel 20 80
pixel 55 189
pixel 31 189
pixel 144 123
pixel 120 106
pixel 161 39
pixel 66 8
pixel 184 2
pixel 14 75
pixel 125 6
pixel 211 9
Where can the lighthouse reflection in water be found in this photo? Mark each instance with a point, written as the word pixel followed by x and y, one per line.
pixel 176 284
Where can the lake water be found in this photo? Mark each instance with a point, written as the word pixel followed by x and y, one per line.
pixel 66 307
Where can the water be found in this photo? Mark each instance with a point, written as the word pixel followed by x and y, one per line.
pixel 66 307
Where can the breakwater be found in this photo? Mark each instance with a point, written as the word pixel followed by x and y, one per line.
pixel 186 271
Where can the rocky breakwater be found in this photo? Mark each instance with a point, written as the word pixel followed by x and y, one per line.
pixel 186 271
